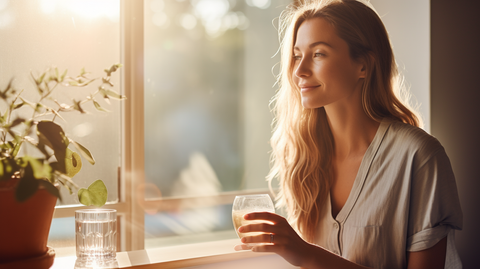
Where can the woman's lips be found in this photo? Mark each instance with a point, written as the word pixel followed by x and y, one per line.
pixel 306 88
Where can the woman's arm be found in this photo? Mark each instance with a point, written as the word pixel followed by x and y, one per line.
pixel 431 258
pixel 288 244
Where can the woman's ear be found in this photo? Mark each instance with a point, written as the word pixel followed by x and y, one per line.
pixel 366 65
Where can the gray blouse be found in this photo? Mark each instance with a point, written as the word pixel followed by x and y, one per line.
pixel 404 198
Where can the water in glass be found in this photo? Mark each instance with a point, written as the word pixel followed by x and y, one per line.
pixel 244 204
pixel 96 233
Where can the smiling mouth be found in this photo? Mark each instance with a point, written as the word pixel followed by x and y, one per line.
pixel 308 88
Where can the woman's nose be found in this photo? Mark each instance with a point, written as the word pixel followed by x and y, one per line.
pixel 302 68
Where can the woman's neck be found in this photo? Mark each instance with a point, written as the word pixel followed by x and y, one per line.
pixel 352 130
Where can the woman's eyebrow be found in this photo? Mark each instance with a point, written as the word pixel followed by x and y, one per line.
pixel 315 44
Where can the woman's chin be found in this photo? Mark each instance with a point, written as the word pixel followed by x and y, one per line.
pixel 308 104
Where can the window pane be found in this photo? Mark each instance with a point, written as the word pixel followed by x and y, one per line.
pixel 191 226
pixel 69 35
pixel 208 83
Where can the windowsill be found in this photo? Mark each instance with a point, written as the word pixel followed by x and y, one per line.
pixel 174 257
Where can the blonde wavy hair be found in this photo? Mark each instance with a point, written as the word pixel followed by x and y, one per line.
pixel 302 141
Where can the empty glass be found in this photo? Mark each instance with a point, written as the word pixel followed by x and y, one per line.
pixel 96 233
pixel 244 204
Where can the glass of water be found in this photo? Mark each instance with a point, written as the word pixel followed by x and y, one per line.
pixel 96 233
pixel 244 204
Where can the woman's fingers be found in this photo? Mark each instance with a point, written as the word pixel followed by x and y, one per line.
pixel 262 238
pixel 242 247
pixel 258 227
pixel 265 248
pixel 275 236
pixel 274 224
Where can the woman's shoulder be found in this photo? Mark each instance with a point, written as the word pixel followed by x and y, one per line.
pixel 412 139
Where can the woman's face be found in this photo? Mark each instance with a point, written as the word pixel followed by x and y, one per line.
pixel 323 69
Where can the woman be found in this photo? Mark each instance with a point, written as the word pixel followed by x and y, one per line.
pixel 363 186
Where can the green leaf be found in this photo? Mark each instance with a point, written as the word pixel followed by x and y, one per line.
pixel 16 122
pixel 27 186
pixel 66 181
pixel 52 135
pixel 96 194
pixel 84 151
pixel 73 163
pixel 63 75
pixel 39 108
pixel 113 94
pixel 77 106
pixel 30 104
pixel 39 169
pixel 112 69
pixel 50 188
pixel 98 107
pixel 40 79
pixel 18 143
pixel 8 168
pixel 106 80
pixel 19 105
pixel 80 81
pixel 4 118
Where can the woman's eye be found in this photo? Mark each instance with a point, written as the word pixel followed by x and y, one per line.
pixel 318 54
pixel 297 57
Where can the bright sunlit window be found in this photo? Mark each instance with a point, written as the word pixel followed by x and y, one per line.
pixel 208 83
pixel 68 35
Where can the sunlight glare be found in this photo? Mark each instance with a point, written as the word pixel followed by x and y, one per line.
pixel 3 4
pixel 211 10
pixel 263 4
pixel 243 21
pixel 83 129
pixel 188 21
pixel 157 5
pixel 161 20
pixel 96 8
pixel 6 18
pixel 47 6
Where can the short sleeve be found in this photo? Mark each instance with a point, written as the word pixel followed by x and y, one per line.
pixel 434 203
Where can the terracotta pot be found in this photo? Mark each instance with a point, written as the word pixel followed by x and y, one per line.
pixel 24 227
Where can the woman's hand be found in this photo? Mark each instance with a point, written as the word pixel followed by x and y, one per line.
pixel 286 242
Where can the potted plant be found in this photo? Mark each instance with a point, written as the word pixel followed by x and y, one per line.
pixel 36 158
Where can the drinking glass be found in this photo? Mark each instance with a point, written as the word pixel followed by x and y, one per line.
pixel 244 204
pixel 96 233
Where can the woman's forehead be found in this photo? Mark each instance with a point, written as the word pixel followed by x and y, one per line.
pixel 316 32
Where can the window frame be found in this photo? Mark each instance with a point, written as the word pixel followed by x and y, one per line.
pixel 130 214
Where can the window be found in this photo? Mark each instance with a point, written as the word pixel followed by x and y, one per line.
pixel 68 35
pixel 75 38
pixel 202 70
pixel 208 83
